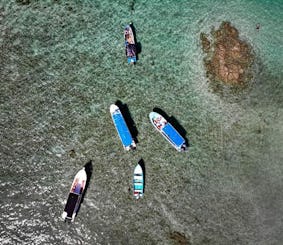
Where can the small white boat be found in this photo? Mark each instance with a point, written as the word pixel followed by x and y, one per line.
pixel 138 182
pixel 122 128
pixel 168 131
pixel 75 196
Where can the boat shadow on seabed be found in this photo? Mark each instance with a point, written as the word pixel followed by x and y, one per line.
pixel 128 119
pixel 141 163
pixel 174 122
pixel 88 170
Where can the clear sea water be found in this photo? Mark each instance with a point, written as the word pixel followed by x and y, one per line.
pixel 62 64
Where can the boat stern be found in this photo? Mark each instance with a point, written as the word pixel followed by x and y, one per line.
pixel 64 215
pixel 132 60
pixel 183 147
pixel 132 146
pixel 138 195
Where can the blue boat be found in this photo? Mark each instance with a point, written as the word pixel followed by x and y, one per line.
pixel 122 128
pixel 168 131
pixel 130 45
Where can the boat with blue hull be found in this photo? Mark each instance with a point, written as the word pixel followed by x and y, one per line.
pixel 75 196
pixel 168 131
pixel 130 45
pixel 138 182
pixel 122 128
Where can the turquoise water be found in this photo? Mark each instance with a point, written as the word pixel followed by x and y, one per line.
pixel 63 64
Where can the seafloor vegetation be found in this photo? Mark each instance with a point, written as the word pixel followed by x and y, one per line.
pixel 228 58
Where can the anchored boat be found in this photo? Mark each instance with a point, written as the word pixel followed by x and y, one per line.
pixel 75 196
pixel 168 131
pixel 138 182
pixel 122 128
pixel 130 45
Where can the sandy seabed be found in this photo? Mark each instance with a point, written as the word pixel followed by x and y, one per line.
pixel 63 64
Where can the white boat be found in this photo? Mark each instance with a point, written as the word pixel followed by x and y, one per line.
pixel 122 128
pixel 75 196
pixel 138 182
pixel 168 131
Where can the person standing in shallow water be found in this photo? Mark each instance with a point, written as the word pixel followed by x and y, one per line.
pixel 257 26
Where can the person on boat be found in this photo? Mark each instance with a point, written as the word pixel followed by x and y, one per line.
pixel 159 125
pixel 126 37
pixel 157 122
pixel 74 185
pixel 78 188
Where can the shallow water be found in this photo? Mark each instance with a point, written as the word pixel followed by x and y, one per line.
pixel 63 64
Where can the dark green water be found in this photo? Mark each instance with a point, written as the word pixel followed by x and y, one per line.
pixel 63 64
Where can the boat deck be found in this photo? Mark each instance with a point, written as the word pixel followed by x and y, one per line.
pixel 122 129
pixel 71 204
pixel 173 135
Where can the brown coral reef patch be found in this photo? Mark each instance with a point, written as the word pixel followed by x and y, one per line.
pixel 179 238
pixel 228 58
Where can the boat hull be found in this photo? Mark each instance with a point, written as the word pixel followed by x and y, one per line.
pixel 122 128
pixel 75 196
pixel 130 45
pixel 138 182
pixel 168 131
